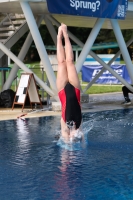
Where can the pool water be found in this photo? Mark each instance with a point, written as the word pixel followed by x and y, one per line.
pixel 34 166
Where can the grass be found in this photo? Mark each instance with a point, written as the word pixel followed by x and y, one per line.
pixel 98 89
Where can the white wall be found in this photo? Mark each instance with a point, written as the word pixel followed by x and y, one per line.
pixel 105 57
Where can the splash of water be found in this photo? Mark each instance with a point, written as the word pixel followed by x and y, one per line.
pixel 78 143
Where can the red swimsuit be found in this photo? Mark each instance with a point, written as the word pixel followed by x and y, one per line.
pixel 70 100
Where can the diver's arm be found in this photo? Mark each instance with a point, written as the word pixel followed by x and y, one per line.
pixel 65 131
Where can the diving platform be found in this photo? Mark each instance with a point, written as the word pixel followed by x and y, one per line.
pixel 39 7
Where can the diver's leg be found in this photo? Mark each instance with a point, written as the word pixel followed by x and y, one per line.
pixel 71 70
pixel 62 77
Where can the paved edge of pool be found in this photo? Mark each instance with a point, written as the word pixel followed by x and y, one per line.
pixel 97 102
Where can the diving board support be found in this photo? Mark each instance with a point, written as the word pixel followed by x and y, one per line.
pixel 89 43
pixel 23 66
pixel 51 29
pixel 109 63
pixel 81 44
pixel 122 80
pixel 21 56
pixel 76 40
pixel 123 47
pixel 39 44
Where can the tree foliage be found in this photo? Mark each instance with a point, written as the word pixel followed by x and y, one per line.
pixel 105 35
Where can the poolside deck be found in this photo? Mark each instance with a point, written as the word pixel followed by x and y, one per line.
pixel 97 102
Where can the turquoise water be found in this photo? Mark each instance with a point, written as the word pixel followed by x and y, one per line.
pixel 34 166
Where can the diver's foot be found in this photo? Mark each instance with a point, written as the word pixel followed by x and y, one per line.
pixel 64 29
pixel 60 32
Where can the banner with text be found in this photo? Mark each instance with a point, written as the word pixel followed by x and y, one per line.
pixel 89 72
pixel 113 9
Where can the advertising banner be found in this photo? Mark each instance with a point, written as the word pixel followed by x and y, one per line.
pixel 113 9
pixel 89 72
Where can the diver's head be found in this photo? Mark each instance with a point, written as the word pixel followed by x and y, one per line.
pixel 71 125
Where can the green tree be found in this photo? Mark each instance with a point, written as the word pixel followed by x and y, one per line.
pixel 105 35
